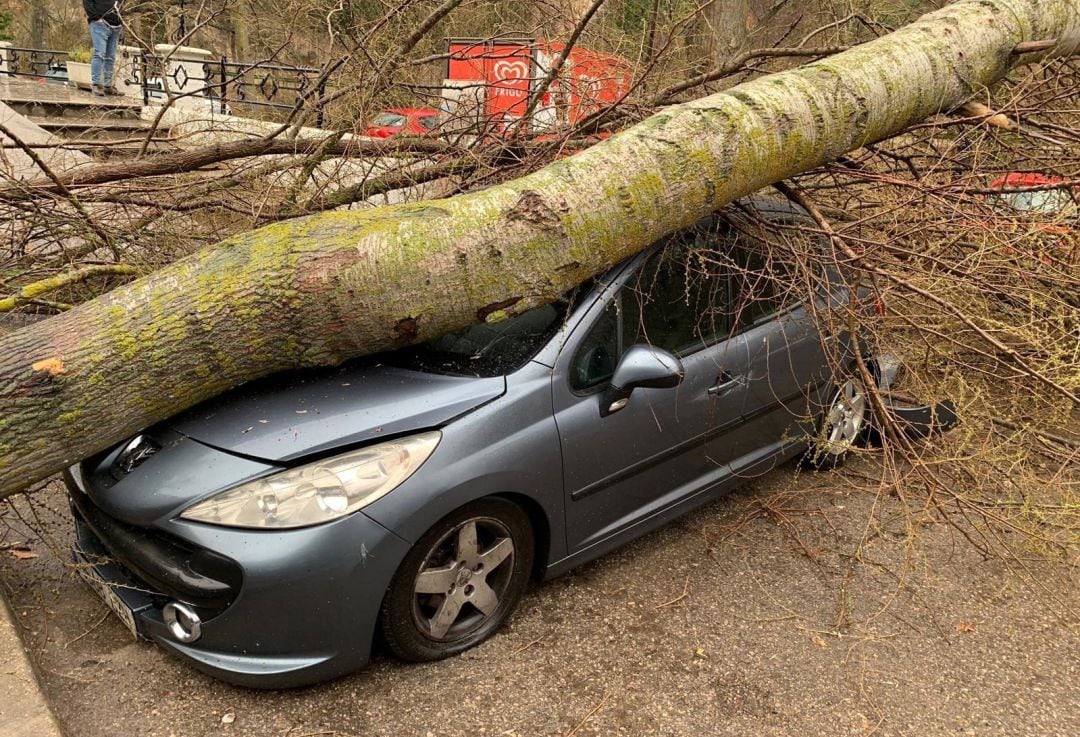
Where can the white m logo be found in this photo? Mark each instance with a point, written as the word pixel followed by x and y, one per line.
pixel 507 70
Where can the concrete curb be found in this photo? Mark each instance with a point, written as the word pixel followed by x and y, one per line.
pixel 23 709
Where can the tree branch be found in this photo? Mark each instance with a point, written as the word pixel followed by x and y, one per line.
pixel 32 291
pixel 185 161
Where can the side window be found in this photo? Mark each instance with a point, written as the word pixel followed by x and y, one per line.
pixel 595 360
pixel 761 282
pixel 755 291
pixel 679 301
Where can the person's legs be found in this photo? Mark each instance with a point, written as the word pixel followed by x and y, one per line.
pixel 99 39
pixel 110 56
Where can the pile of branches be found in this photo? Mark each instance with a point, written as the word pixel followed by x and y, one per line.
pixel 976 279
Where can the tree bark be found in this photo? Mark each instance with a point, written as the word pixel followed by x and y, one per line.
pixel 238 33
pixel 317 290
pixel 39 20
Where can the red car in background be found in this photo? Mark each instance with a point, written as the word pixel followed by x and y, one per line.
pixel 1059 204
pixel 409 121
pixel 1051 214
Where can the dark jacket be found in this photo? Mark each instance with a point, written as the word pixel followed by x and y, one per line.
pixel 107 10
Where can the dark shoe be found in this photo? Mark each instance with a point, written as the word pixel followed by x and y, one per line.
pixel 98 90
pixel 110 90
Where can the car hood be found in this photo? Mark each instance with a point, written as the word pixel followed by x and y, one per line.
pixel 284 418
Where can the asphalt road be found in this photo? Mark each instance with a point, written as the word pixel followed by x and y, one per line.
pixel 754 616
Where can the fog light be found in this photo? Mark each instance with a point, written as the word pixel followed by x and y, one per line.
pixel 183 623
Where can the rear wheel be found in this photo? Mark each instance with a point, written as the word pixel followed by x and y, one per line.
pixel 841 428
pixel 459 582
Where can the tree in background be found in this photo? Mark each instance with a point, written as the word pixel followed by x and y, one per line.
pixel 53 24
pixel 39 20
pixel 5 25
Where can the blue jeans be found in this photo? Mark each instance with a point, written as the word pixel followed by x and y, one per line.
pixel 104 39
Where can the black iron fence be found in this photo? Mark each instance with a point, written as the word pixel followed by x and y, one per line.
pixel 160 78
pixel 222 84
pixel 268 85
pixel 229 85
pixel 21 62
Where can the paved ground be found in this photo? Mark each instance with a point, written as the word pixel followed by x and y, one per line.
pixel 747 617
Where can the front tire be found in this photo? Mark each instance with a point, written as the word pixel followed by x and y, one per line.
pixel 459 582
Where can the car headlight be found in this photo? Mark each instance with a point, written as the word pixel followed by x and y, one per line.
pixel 318 492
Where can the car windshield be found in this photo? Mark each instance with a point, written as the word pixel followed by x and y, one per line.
pixel 390 120
pixel 487 349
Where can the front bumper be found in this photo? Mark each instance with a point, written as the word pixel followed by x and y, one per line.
pixel 302 610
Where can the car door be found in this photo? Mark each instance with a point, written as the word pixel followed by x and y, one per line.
pixel 788 365
pixel 664 444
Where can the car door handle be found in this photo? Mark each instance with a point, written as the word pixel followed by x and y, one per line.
pixel 725 382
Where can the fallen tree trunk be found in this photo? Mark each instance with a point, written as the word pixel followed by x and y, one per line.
pixel 324 288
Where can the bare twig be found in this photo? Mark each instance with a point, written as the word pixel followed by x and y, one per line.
pixel 589 716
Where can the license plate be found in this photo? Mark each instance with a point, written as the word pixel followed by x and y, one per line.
pixel 101 587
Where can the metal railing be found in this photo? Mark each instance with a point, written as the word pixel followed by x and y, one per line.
pixel 160 78
pixel 221 82
pixel 226 84
pixel 16 61
pixel 268 85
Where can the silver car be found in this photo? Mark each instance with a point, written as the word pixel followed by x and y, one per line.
pixel 272 535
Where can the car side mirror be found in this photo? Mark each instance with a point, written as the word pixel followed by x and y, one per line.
pixel 642 366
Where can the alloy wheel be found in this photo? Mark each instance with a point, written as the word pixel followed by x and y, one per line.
pixel 845 419
pixel 463 578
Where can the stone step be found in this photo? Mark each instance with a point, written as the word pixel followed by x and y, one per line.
pixel 76 108
pixel 97 129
